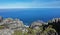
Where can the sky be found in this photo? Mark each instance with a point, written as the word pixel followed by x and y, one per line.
pixel 29 4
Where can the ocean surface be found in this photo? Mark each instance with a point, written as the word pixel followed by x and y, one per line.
pixel 28 15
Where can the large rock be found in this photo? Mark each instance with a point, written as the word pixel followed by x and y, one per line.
pixel 16 24
pixel 37 27
pixel 37 23
pixel 13 24
pixel 8 20
pixel 6 32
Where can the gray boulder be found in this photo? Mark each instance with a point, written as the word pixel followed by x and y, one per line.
pixel 37 24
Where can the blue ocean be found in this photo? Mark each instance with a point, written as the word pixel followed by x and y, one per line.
pixel 28 15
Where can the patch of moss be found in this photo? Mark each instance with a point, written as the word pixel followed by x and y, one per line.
pixel 1 27
pixel 17 32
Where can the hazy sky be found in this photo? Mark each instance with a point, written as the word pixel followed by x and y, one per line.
pixel 29 3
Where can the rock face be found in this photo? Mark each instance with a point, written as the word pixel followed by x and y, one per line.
pixel 16 24
pixel 56 24
pixel 10 23
pixel 37 27
pixel 6 32
pixel 37 24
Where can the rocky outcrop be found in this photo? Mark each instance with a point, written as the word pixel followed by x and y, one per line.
pixel 37 23
pixel 13 24
pixel 6 32
pixel 16 24
pixel 9 25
